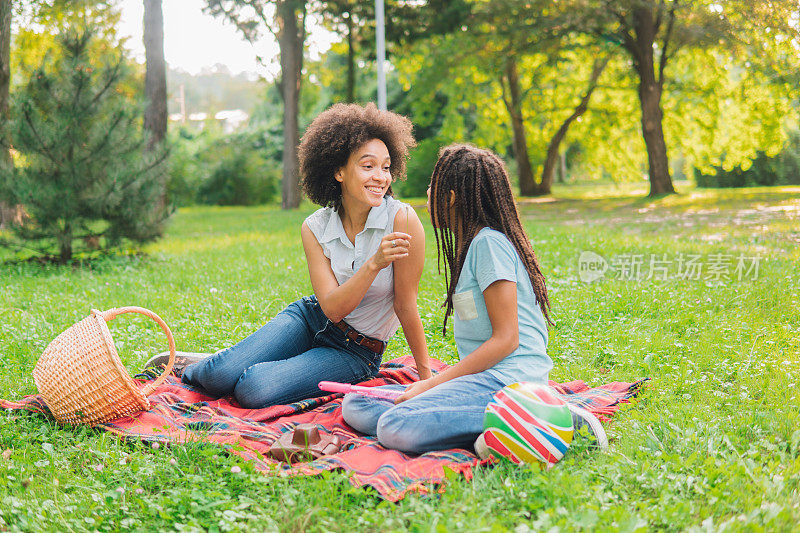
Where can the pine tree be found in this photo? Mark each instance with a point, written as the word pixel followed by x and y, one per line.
pixel 86 181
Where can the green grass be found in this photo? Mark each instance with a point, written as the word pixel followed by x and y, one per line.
pixel 713 444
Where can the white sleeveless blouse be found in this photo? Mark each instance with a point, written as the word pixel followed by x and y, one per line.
pixel 374 316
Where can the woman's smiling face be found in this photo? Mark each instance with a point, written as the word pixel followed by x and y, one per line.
pixel 366 177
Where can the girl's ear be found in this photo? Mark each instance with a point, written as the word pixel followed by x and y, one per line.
pixel 339 176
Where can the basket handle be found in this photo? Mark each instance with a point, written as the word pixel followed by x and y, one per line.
pixel 111 314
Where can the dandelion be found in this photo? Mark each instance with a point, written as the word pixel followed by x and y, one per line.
pixel 97 467
pixel 120 490
pixel 155 445
pixel 139 491
pixel 173 462
pixel 235 469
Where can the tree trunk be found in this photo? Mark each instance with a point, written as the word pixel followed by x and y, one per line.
pixel 552 159
pixel 562 167
pixel 6 211
pixel 5 63
pixel 155 80
pixel 650 101
pixel 65 245
pixel 527 185
pixel 291 36
pixel 351 61
pixel 155 90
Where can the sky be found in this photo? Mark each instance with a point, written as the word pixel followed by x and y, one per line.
pixel 194 40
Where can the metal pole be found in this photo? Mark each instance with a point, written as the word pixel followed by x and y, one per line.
pixel 380 50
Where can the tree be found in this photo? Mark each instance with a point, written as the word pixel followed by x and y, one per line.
pixel 155 79
pixel 35 24
pixel 9 214
pixel 155 85
pixel 286 20
pixel 653 32
pixel 553 158
pixel 639 28
pixel 495 50
pixel 406 22
pixel 5 64
pixel 344 16
pixel 84 183
pixel 513 101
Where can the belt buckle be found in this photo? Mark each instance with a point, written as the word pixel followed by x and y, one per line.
pixel 360 338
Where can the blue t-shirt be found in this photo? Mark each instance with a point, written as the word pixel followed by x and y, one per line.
pixel 492 257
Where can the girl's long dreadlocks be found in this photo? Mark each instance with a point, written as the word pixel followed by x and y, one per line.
pixel 483 198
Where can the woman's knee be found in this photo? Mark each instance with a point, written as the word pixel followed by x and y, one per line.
pixel 252 392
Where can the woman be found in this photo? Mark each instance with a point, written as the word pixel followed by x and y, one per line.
pixel 365 254
pixel 497 290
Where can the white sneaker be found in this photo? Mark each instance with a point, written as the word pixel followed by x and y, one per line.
pixel 481 450
pixel 581 418
pixel 182 360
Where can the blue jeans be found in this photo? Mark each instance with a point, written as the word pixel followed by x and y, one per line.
pixel 447 416
pixel 285 360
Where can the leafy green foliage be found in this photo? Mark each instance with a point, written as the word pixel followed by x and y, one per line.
pixel 240 180
pixel 713 443
pixel 234 169
pixel 82 177
pixel 419 169
pixel 726 86
pixel 36 25
pixel 782 169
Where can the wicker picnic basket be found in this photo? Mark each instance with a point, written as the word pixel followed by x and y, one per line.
pixel 81 377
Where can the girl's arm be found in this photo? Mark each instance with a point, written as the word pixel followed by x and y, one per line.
pixel 407 273
pixel 501 304
pixel 338 301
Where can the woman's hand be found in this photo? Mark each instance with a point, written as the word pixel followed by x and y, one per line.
pixel 393 246
pixel 415 389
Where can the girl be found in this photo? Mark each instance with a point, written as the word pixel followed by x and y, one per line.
pixel 364 270
pixel 497 290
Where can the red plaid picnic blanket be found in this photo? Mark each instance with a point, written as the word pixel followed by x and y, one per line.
pixel 180 413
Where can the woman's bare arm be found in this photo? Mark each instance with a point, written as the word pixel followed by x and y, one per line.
pixel 338 301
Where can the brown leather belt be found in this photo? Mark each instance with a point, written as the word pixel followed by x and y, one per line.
pixel 377 346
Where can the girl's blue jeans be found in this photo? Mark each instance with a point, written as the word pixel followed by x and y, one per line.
pixel 449 415
pixel 285 360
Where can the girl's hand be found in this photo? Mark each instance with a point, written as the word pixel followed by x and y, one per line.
pixel 424 372
pixel 393 246
pixel 415 389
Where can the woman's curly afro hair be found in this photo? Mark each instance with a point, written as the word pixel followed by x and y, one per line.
pixel 338 132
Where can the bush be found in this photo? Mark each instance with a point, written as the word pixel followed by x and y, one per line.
pixel 783 169
pixel 242 179
pixel 216 169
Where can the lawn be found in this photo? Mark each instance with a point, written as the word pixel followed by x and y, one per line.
pixel 701 295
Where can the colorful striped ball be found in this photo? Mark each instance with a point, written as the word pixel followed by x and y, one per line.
pixel 528 423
